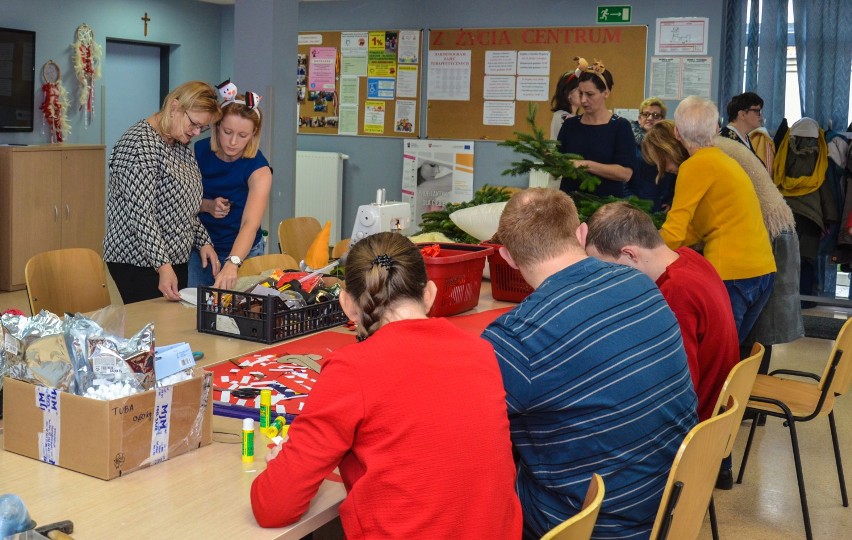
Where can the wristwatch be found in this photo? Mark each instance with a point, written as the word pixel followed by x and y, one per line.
pixel 236 260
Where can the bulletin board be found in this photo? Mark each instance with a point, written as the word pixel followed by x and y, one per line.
pixel 359 83
pixel 541 55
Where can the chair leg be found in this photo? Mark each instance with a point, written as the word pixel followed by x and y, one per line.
pixel 747 449
pixel 714 526
pixel 840 476
pixel 797 459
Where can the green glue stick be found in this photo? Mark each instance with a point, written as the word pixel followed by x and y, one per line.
pixel 265 408
pixel 248 440
pixel 275 427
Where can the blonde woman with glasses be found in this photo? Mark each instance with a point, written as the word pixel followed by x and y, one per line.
pixel 646 182
pixel 154 196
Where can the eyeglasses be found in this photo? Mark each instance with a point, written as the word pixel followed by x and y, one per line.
pixel 195 125
pixel 758 112
pixel 654 115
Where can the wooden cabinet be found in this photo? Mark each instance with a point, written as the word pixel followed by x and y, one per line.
pixel 51 197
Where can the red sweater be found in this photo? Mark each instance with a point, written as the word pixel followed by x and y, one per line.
pixel 700 301
pixel 415 417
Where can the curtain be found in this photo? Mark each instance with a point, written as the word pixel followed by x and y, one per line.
pixel 823 33
pixel 733 53
pixel 772 65
pixel 756 39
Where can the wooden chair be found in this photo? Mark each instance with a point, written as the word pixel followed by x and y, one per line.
pixel 580 526
pixel 255 265
pixel 799 401
pixel 693 477
pixel 66 280
pixel 296 234
pixel 340 248
pixel 738 384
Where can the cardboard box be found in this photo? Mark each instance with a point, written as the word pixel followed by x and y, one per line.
pixel 107 439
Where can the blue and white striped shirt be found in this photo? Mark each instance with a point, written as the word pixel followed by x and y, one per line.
pixel 596 382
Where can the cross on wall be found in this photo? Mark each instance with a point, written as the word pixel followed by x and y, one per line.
pixel 146 19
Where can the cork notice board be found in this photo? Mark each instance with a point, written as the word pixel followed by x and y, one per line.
pixel 521 62
pixel 359 83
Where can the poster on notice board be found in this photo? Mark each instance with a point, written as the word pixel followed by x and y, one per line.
pixel 435 173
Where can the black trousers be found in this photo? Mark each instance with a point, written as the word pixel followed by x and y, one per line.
pixel 137 283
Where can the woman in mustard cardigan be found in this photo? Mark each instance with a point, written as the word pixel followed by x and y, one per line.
pixel 715 204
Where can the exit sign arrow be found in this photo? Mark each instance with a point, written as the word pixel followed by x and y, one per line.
pixel 614 14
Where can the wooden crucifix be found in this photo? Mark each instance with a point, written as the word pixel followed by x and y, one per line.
pixel 146 19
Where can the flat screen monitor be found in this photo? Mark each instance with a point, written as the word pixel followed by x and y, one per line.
pixel 17 79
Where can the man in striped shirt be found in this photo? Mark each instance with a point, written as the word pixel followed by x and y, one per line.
pixel 595 373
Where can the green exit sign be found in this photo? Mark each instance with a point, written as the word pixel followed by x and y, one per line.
pixel 614 14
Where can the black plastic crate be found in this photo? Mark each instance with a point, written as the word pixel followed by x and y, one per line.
pixel 266 319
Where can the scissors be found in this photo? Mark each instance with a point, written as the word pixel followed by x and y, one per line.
pixel 242 393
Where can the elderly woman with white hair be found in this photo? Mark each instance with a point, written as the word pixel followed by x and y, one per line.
pixel 715 204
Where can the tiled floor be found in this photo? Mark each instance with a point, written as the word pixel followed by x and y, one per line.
pixel 766 506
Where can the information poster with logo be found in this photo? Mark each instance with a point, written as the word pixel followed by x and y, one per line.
pixel 435 173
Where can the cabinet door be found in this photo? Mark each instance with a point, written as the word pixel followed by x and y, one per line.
pixel 83 198
pixel 36 214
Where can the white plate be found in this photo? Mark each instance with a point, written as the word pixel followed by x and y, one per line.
pixel 189 295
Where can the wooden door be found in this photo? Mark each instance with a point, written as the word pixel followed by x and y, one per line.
pixel 83 198
pixel 35 208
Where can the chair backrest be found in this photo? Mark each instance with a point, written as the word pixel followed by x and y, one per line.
pixel 580 526
pixel 693 477
pixel 738 384
pixel 843 375
pixel 340 248
pixel 255 265
pixel 296 234
pixel 66 280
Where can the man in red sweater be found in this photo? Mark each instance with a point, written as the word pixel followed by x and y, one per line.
pixel 621 233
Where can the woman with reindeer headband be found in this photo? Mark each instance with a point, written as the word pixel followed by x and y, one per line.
pixel 605 140
pixel 237 180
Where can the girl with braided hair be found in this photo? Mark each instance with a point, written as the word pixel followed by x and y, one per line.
pixel 415 463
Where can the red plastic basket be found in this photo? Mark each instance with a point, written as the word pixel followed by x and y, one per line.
pixel 507 284
pixel 457 272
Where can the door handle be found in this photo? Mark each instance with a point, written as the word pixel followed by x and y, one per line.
pixel 55 213
pixel 67 212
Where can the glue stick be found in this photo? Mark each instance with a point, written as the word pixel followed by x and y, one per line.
pixel 248 440
pixel 275 427
pixel 265 408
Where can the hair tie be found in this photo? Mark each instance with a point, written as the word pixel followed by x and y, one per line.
pixel 228 93
pixel 384 261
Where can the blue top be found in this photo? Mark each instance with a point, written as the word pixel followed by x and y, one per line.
pixel 644 185
pixel 596 381
pixel 610 143
pixel 228 179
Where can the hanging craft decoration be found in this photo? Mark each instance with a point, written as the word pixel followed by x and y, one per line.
pixel 55 102
pixel 87 66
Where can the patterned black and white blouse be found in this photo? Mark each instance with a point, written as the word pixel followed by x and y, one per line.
pixel 153 202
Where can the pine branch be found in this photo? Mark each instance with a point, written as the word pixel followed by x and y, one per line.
pixel 546 156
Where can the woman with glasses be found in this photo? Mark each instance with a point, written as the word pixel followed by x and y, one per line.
pixel 745 114
pixel 154 197
pixel 237 179
pixel 603 139
pixel 646 183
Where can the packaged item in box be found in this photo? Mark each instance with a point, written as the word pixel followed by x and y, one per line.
pixel 107 439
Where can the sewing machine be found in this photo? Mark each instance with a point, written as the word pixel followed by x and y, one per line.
pixel 380 216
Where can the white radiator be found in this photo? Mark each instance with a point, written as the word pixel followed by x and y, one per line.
pixel 319 188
